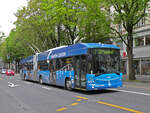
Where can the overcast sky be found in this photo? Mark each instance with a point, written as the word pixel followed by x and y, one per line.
pixel 7 10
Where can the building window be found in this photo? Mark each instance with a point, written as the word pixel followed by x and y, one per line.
pixel 124 67
pixel 141 22
pixel 148 40
pixel 145 67
pixel 136 67
pixel 139 41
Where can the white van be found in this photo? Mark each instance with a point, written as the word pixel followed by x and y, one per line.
pixel 3 71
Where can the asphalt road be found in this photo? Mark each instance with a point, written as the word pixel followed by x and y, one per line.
pixel 17 96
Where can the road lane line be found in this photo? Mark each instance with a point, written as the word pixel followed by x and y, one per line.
pixel 119 107
pixel 134 92
pixel 82 97
pixel 74 104
pixel 61 109
pixel 47 88
pixel 78 100
pixel 12 85
pixel 136 87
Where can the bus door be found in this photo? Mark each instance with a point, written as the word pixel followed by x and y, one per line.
pixel 52 67
pixel 80 71
pixel 35 65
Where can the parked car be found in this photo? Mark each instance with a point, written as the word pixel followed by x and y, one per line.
pixel 10 72
pixel 3 71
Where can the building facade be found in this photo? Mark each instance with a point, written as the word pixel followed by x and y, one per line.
pixel 141 47
pixel 141 50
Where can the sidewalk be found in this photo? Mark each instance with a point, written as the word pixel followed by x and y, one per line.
pixel 143 78
pixel 139 78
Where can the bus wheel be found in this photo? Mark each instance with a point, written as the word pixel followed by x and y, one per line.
pixel 40 80
pixel 68 84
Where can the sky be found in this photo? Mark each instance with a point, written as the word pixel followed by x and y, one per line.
pixel 7 17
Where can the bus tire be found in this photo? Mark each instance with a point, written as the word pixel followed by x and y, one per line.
pixel 68 84
pixel 40 80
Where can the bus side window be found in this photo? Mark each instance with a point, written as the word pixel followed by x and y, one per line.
pixel 89 63
pixel 51 65
pixel 69 63
pixel 58 66
pixel 61 64
pixel 38 65
pixel 83 65
pixel 54 65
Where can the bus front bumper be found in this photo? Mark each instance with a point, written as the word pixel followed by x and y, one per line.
pixel 103 86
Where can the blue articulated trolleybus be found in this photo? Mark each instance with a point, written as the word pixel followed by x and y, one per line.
pixel 88 66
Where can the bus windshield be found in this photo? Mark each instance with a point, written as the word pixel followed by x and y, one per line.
pixel 105 61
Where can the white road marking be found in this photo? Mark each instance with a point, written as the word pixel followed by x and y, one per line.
pixel 12 85
pixel 47 88
pixel 134 92
pixel 9 83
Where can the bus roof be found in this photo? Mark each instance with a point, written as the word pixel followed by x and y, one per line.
pixel 76 49
pixel 66 51
pixel 99 45
pixel 29 59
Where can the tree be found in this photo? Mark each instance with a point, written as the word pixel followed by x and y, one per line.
pixel 128 13
pixel 3 51
pixel 45 24
pixel 63 15
pixel 2 35
pixel 31 27
pixel 93 19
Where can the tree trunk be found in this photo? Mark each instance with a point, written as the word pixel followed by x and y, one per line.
pixel 131 69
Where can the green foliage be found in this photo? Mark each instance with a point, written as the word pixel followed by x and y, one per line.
pixel 46 24
pixel 13 49
pixel 94 23
pixel 2 35
pixel 3 51
pixel 128 13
